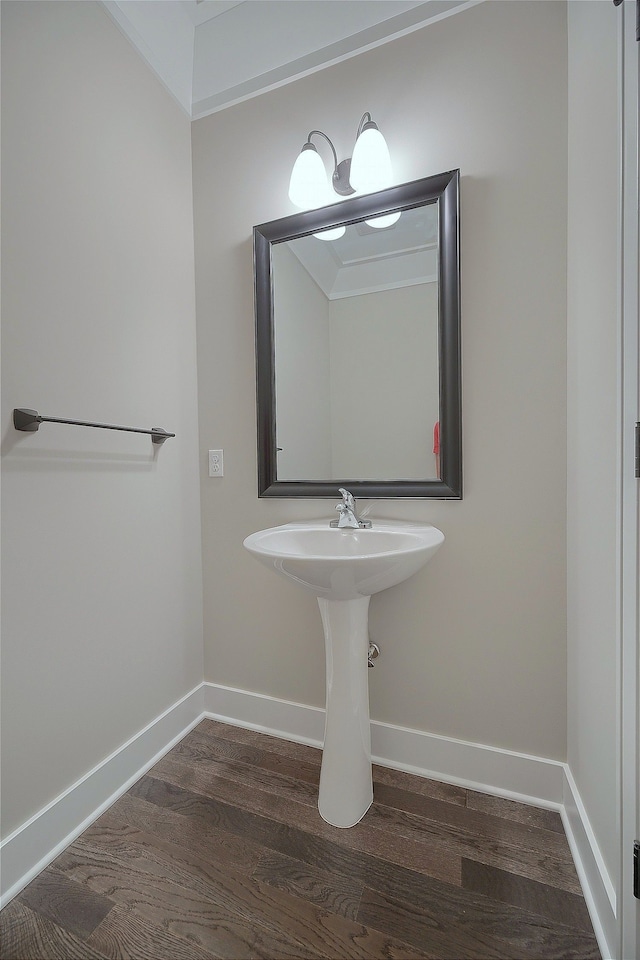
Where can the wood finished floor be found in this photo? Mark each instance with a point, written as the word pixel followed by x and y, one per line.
pixel 219 852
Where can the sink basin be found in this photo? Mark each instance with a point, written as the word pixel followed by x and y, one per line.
pixel 346 564
pixel 343 568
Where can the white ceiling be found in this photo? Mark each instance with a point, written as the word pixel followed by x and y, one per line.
pixel 201 10
pixel 211 54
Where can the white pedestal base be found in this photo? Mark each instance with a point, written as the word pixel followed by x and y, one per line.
pixel 346 786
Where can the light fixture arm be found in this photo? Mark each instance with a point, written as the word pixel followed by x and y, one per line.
pixel 319 133
pixel 340 175
pixel 365 122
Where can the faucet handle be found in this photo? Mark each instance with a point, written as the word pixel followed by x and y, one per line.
pixel 347 498
pixel 347 511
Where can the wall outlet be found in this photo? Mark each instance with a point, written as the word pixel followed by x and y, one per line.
pixel 216 463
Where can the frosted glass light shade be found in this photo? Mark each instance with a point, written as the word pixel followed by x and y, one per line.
pixel 386 221
pixel 332 233
pixel 309 187
pixel 371 163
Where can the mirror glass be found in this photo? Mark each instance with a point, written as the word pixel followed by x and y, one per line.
pixel 357 336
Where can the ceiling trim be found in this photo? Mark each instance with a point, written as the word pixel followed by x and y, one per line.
pixel 164 34
pixel 400 25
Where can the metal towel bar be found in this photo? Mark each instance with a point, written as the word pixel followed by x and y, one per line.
pixel 30 420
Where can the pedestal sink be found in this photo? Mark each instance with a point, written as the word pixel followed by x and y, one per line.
pixel 343 568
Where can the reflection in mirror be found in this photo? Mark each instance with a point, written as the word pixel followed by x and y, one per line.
pixel 358 346
pixel 356 350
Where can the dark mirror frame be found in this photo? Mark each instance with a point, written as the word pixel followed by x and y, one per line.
pixel 443 189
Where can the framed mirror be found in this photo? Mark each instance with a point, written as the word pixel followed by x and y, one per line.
pixel 358 346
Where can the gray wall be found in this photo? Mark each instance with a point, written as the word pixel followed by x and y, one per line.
pixel 474 646
pixel 102 583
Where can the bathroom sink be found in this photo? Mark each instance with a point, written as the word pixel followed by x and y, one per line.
pixel 343 567
pixel 344 564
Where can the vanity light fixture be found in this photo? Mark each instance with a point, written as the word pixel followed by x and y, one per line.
pixel 367 171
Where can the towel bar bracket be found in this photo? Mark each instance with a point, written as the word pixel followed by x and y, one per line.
pixel 27 420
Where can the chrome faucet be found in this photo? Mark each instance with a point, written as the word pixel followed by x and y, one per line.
pixel 348 513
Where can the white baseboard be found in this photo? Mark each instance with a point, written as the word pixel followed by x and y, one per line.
pixel 517 776
pixel 38 841
pixel 599 890
pixel 503 773
pixel 487 769
pixel 255 711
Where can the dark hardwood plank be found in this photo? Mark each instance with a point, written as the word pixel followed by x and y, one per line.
pixel 569 909
pixel 24 935
pixel 198 746
pixel 430 858
pixel 390 915
pixel 477 935
pixel 341 939
pixel 195 774
pixel 126 933
pixel 68 904
pixel 511 810
pixel 334 892
pixel 137 821
pixel 141 848
pixel 473 822
pixel 286 748
pixel 448 792
pixel 550 861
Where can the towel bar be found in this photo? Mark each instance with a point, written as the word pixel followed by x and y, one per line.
pixel 30 420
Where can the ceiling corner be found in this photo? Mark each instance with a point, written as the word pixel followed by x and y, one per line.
pixel 164 36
